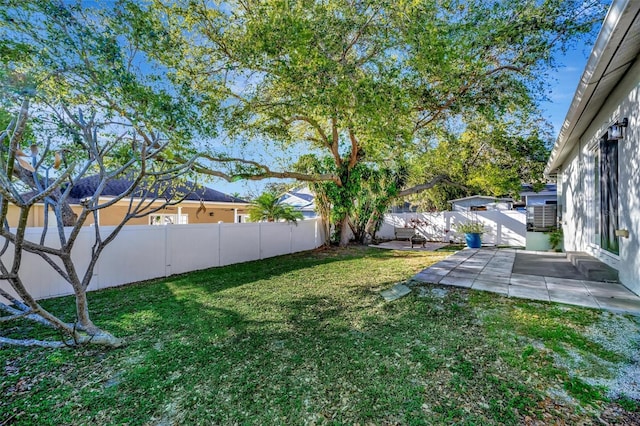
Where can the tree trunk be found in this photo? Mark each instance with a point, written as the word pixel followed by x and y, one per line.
pixel 82 312
pixel 344 232
pixel 370 227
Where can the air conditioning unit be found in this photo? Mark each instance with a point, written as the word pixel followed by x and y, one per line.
pixel 542 218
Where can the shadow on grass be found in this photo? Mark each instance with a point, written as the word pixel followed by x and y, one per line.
pixel 291 340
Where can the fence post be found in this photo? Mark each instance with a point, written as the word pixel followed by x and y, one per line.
pixel 260 240
pixel 219 244
pixel 167 250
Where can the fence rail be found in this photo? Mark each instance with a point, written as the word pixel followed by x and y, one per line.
pixel 146 252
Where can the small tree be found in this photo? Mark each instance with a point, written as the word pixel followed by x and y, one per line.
pixel 268 208
pixel 81 108
pixel 148 180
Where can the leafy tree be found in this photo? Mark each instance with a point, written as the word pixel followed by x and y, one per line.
pixel 487 158
pixel 356 83
pixel 79 107
pixel 267 208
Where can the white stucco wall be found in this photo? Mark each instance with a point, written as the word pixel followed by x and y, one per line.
pixel 576 184
pixel 540 199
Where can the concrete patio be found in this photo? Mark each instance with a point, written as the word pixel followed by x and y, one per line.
pixel 550 277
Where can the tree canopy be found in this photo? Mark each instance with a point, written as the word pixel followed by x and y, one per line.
pixel 358 84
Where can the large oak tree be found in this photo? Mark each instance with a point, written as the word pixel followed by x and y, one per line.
pixel 361 85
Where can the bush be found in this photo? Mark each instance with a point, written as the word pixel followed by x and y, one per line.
pixel 555 239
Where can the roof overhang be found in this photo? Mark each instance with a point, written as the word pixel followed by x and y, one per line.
pixel 615 50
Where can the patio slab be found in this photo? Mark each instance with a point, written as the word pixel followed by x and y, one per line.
pixel 619 305
pixel 569 298
pixel 492 286
pixel 428 278
pixel 458 281
pixel 494 278
pixel 609 290
pixel 539 276
pixel 534 293
pixel 395 292
pixel 553 265
pixel 578 288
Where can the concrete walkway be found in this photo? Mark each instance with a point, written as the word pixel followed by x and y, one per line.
pixel 491 269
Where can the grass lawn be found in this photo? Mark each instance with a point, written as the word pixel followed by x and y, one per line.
pixel 306 339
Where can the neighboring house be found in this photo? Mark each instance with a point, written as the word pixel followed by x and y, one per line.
pixel 218 207
pixel 596 157
pixel 529 197
pixel 302 199
pixel 480 203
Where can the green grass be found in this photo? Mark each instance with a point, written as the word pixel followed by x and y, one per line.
pixel 304 339
pixel 451 248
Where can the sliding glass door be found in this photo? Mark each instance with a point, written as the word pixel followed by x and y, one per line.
pixel 608 188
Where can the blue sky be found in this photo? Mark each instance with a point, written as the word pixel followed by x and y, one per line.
pixel 563 83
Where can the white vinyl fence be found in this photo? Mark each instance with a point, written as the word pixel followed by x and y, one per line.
pixel 144 252
pixel 502 227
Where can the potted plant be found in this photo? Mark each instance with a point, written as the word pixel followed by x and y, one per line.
pixel 472 232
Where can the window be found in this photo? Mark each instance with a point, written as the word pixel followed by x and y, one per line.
pixel 168 219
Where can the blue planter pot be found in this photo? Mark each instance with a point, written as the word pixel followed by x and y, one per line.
pixel 473 240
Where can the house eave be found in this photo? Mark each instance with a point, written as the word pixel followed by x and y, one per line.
pixel 615 50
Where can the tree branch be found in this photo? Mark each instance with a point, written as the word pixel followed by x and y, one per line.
pixel 440 179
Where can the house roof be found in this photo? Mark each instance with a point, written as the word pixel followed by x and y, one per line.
pixel 480 197
pixel 86 187
pixel 615 50
pixel 301 198
pixel 298 201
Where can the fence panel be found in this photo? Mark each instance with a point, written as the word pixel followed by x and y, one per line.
pixel 192 247
pixel 275 239
pixel 138 253
pixel 300 240
pixel 146 252
pixel 40 277
pixel 239 242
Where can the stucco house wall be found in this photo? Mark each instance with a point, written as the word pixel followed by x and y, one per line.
pixel 598 176
pixel 540 199
pixel 577 180
pixel 113 215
